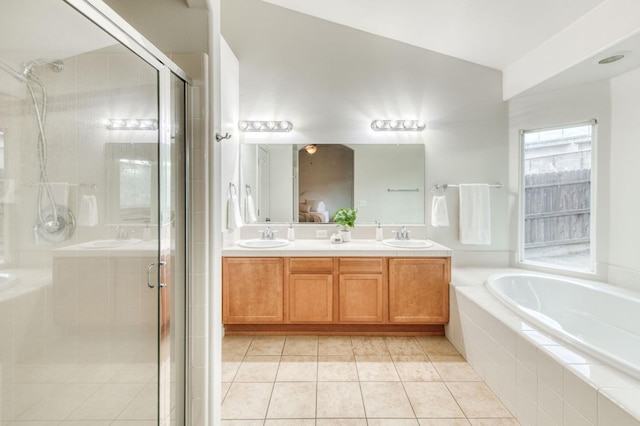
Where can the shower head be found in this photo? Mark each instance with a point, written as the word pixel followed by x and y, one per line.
pixel 28 67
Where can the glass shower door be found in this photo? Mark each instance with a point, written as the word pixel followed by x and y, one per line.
pixel 90 197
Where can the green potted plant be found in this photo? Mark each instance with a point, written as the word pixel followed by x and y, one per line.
pixel 346 218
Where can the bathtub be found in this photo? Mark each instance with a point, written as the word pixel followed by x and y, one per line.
pixel 521 333
pixel 599 319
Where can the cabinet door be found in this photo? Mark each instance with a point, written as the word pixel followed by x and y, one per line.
pixel 311 298
pixel 361 298
pixel 252 290
pixel 419 290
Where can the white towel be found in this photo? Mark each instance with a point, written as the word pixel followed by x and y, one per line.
pixel 475 214
pixel 250 210
pixel 88 214
pixel 234 217
pixel 439 212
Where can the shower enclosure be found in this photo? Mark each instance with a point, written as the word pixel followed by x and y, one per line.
pixel 92 220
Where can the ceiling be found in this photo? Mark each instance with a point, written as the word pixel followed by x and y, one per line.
pixel 493 33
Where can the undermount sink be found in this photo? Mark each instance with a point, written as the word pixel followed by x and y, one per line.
pixel 260 243
pixel 409 244
pixel 99 244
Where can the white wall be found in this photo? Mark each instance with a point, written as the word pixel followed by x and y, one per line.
pixel 571 105
pixel 624 203
pixel 230 106
pixel 332 81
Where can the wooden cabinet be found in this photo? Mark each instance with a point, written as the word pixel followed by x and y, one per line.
pixel 252 290
pixel 361 290
pixel 336 295
pixel 419 290
pixel 310 290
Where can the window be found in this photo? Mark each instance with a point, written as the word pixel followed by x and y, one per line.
pixel 556 222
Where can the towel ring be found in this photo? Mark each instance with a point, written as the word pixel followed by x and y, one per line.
pixel 438 189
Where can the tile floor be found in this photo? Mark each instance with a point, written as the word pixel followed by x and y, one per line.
pixel 352 380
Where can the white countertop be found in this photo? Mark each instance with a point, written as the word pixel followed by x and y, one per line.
pixel 323 247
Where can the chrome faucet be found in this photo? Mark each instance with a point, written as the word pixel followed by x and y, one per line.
pixel 268 234
pixel 122 234
pixel 402 234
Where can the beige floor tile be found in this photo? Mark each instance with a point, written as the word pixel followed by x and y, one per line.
pixel 301 345
pixel 369 345
pixel 431 400
pixel 247 401
pixel 266 345
pixel 142 407
pixel 415 369
pixel 235 345
pixel 403 346
pixel 293 401
pixel 258 369
pixel 341 422
pixel 376 369
pixel 335 345
pixel 290 422
pixel 297 368
pixel 392 422
pixel 105 409
pixel 225 388
pixel 494 422
pixel 437 345
pixel 117 391
pixel 242 423
pixel 51 409
pixel 230 369
pixel 337 368
pixel 454 369
pixel 339 400
pixel 443 422
pixel 477 400
pixel 385 400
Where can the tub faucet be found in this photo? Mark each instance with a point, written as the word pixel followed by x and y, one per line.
pixel 402 234
pixel 268 234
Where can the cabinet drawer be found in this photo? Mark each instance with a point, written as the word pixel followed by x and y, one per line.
pixel 369 265
pixel 310 264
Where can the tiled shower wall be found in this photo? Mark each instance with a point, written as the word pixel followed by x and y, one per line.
pixel 195 65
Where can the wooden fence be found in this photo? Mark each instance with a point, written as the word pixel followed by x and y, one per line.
pixel 557 208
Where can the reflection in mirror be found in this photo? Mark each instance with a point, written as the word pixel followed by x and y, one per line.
pixel 132 183
pixel 384 182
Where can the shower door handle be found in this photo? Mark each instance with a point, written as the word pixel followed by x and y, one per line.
pixel 149 268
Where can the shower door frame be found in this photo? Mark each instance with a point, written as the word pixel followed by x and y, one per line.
pixel 107 20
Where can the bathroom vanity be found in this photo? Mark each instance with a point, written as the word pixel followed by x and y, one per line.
pixel 312 286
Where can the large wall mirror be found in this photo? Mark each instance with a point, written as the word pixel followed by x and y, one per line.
pixel 287 183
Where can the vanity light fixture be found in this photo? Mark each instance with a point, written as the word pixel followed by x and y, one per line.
pixel 132 124
pixel 311 149
pixel 398 125
pixel 265 126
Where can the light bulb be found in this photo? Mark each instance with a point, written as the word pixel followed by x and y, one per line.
pixel 243 125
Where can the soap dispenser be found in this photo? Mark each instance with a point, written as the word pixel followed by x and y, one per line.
pixel 379 234
pixel 291 233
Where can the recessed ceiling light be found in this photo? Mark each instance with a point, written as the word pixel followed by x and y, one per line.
pixel 610 59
